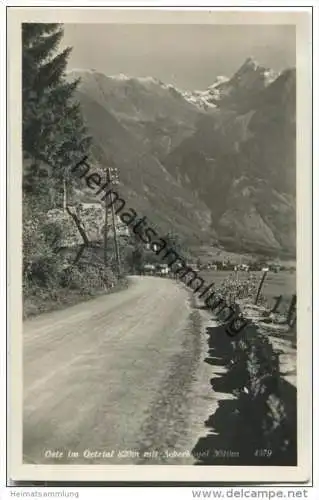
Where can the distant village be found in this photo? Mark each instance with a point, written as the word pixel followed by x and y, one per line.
pixel 92 216
pixel 163 269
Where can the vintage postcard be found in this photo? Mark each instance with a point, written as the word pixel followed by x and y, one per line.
pixel 160 224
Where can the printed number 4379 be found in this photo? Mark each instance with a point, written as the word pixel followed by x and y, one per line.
pixel 263 453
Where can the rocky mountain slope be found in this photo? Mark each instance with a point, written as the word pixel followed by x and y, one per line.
pixel 241 162
pixel 239 91
pixel 144 183
pixel 217 164
pixel 157 115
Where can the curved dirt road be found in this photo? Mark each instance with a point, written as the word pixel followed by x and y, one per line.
pixel 109 381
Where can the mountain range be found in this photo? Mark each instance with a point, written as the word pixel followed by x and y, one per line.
pixel 216 166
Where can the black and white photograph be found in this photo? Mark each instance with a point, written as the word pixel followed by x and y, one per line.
pixel 162 294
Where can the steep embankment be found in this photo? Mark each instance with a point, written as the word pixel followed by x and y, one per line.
pixel 253 419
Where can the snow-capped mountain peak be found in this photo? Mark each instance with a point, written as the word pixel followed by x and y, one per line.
pixel 251 74
pixel 219 80
pixel 250 78
pixel 120 76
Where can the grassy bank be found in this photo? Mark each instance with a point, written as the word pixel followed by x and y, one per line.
pixel 282 283
pixel 255 420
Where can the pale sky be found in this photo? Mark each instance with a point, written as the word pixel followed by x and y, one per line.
pixel 188 56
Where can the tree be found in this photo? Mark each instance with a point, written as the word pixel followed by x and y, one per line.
pixel 53 139
pixel 173 241
pixel 54 136
pixel 135 254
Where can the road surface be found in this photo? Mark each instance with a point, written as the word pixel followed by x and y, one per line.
pixel 110 380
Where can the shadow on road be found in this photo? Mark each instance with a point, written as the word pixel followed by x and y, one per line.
pixel 237 434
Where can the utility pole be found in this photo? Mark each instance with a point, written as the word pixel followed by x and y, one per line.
pixel 64 195
pixel 114 180
pixel 107 175
pixel 291 316
pixel 261 285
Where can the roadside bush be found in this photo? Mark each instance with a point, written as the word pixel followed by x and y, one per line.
pixel 48 276
pixel 107 276
pixel 87 278
pixel 233 289
pixel 41 265
pixel 74 279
